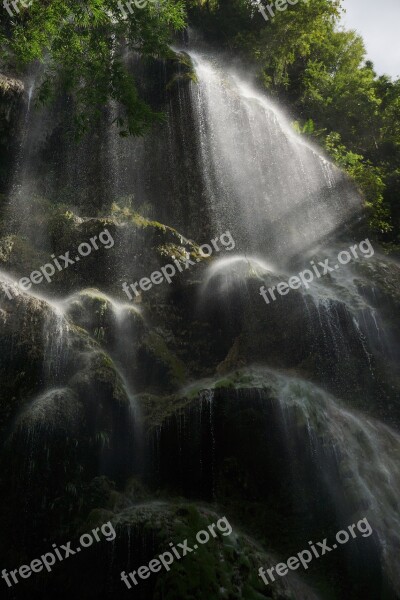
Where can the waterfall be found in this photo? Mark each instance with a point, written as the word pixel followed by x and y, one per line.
pixel 197 389
pixel 353 459
pixel 367 454
pixel 276 193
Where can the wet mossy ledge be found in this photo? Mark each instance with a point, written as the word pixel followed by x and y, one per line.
pixel 168 241
pixel 263 383
pixel 150 243
pixel 249 439
pixel 72 357
pixel 182 68
pixel 226 567
pixel 257 379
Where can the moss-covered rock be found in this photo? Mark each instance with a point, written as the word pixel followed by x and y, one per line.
pixel 225 567
pixel 270 448
pixel 184 69
pixel 171 370
pixel 64 408
pixel 11 94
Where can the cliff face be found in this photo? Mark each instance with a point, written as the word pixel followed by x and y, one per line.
pixel 193 398
pixel 11 94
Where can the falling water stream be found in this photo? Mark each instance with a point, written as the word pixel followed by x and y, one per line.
pixel 283 202
pixel 277 193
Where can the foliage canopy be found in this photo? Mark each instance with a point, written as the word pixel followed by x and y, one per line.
pixel 82 44
pixel 304 59
pixel 307 61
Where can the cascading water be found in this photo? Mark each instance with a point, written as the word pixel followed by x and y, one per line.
pixel 226 158
pixel 367 453
pixel 276 193
pixel 282 201
pixel 284 204
pixel 354 458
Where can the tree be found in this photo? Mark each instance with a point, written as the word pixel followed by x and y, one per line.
pixel 310 63
pixel 81 47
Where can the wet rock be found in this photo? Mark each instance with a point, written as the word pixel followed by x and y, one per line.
pixel 11 95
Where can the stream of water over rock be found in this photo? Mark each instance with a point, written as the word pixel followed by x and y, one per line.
pixel 279 414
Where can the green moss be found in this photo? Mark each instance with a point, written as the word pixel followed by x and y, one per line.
pixel 188 76
pixel 156 345
pixel 224 567
pixel 100 374
pixel 127 214
pixel 172 251
pixel 20 255
pixel 185 70
pixel 224 383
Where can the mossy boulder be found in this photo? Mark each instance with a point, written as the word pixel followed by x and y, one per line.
pixel 65 415
pixel 248 441
pixel 226 567
pixel 102 317
pixel 180 70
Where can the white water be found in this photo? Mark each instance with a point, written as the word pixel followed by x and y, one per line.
pixel 273 191
pixel 368 455
pixel 279 197
pixel 282 200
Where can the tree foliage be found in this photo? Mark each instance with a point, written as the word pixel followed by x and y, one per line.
pixel 306 60
pixel 81 46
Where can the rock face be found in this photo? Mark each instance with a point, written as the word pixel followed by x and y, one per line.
pixel 11 94
pixel 64 409
pixel 167 410
pixel 258 441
